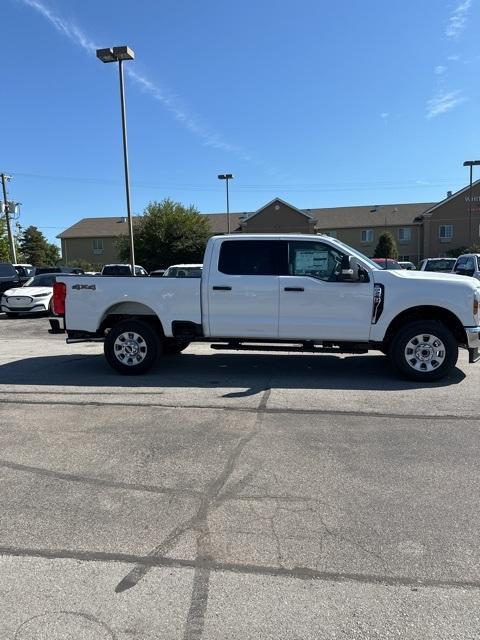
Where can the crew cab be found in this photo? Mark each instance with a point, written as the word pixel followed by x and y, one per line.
pixel 279 292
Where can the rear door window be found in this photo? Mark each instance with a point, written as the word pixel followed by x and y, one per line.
pixel 253 257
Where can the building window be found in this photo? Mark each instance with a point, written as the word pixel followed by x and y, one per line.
pixel 367 236
pixel 332 234
pixel 98 246
pixel 404 258
pixel 445 232
pixel 404 235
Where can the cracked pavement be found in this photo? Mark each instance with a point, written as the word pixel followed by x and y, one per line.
pixel 234 496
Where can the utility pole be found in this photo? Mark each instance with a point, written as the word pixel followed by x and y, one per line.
pixel 11 242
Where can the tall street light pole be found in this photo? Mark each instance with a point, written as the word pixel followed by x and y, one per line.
pixel 471 164
pixel 119 54
pixel 227 177
pixel 11 241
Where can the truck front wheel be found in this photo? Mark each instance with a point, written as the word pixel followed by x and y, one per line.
pixel 424 350
pixel 132 347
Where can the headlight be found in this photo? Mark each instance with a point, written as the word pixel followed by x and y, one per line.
pixel 40 295
pixel 476 303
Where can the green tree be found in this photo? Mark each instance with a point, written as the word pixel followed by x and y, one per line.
pixel 4 252
pixel 36 249
pixel 167 233
pixel 454 253
pixel 386 247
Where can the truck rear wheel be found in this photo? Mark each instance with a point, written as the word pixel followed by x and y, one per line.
pixel 132 347
pixel 424 350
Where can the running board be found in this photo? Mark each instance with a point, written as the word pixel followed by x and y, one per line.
pixel 306 347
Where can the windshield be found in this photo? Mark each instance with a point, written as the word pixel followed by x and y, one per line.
pixel 440 264
pixel 183 272
pixel 46 280
pixel 7 270
pixel 117 270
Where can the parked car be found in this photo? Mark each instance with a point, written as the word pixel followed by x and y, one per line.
pixel 122 270
pixel 32 297
pixel 442 265
pixel 75 270
pixel 468 264
pixel 25 271
pixel 312 291
pixel 184 271
pixel 157 273
pixel 8 276
pixel 387 263
pixel 407 265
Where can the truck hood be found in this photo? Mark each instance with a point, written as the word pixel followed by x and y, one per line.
pixel 382 275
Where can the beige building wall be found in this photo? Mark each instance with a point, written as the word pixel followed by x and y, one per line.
pixel 456 213
pixel 407 250
pixel 277 217
pixel 83 249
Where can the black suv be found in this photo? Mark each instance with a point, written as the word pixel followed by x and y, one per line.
pixel 9 277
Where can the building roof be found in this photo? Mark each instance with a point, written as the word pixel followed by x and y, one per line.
pixel 112 227
pixel 327 219
pixel 368 216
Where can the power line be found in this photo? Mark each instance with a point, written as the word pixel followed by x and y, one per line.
pixel 255 188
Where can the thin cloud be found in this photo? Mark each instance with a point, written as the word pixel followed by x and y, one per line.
pixel 167 99
pixel 454 58
pixel 68 29
pixel 439 70
pixel 384 115
pixel 443 102
pixel 458 19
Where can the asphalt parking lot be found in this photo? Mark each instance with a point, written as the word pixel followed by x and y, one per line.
pixel 234 495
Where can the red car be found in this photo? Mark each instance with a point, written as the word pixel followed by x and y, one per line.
pixel 390 263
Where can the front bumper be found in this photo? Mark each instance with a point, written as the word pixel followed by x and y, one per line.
pixel 473 338
pixel 37 308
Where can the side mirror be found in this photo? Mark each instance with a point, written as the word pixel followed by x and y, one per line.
pixel 347 272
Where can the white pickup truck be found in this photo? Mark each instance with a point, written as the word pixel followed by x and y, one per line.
pixel 279 292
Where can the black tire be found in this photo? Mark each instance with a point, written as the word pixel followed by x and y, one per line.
pixel 431 357
pixel 174 347
pixel 142 343
pixel 11 315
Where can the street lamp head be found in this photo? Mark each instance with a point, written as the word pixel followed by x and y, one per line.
pixel 106 55
pixel 123 53
pixel 471 163
pixel 225 176
pixel 115 54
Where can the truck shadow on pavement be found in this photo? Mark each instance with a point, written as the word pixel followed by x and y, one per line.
pixel 247 372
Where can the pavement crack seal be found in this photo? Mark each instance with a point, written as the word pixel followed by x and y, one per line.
pixel 211 499
pixel 219 407
pixel 100 482
pixel 298 572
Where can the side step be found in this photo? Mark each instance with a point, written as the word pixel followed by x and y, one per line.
pixel 302 347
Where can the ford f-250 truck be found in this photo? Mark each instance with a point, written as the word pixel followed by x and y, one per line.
pixel 279 292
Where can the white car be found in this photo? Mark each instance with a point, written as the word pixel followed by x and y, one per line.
pixel 468 264
pixel 184 271
pixel 32 297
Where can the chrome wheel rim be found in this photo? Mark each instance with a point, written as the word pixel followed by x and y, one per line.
pixel 425 352
pixel 130 348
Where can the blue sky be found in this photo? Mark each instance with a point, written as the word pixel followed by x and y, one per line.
pixel 320 103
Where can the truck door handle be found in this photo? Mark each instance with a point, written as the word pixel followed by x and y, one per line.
pixel 222 288
pixel 294 289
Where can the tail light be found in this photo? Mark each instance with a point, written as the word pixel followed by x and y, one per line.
pixel 59 295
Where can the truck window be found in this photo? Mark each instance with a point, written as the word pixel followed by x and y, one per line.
pixel 314 259
pixel 252 257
